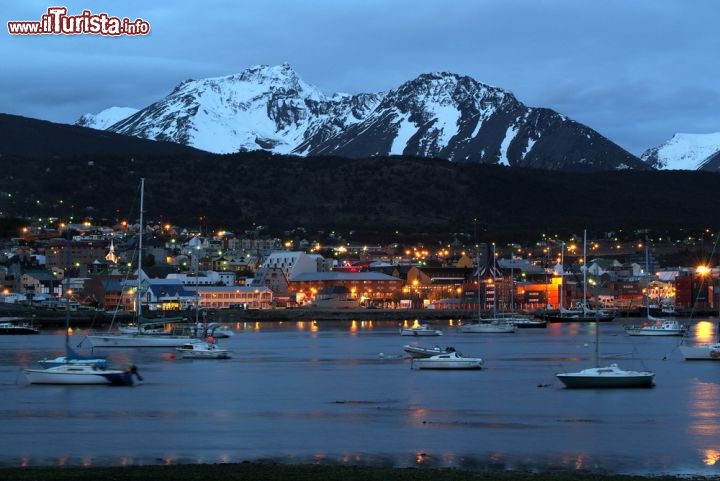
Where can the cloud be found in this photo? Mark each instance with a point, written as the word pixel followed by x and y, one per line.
pixel 636 72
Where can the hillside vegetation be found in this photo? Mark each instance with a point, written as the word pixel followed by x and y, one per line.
pixel 379 198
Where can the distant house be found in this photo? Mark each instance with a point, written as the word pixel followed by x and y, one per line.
pixel 106 289
pixel 39 282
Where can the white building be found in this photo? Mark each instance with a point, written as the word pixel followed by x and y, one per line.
pixel 287 265
pixel 207 278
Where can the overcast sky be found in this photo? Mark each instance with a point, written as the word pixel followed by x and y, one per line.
pixel 636 71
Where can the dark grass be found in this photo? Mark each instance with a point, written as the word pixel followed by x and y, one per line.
pixel 254 471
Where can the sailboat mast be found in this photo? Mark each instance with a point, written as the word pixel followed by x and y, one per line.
pixel 562 275
pixel 495 289
pixel 138 308
pixel 584 304
pixel 477 263
pixel 597 319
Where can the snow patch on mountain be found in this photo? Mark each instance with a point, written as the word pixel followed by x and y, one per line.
pixel 510 134
pixel 683 151
pixel 106 118
pixel 405 130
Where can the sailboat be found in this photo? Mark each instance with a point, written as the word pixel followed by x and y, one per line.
pixel 76 369
pixel 655 326
pixel 577 313
pixel 610 376
pixel 148 334
pixel 71 356
pixel 494 324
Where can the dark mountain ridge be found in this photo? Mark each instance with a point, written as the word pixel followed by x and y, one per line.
pixel 378 199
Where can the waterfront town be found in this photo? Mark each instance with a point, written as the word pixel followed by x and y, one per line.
pixel 87 267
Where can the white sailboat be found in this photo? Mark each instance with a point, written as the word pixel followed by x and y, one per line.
pixel 148 334
pixel 610 376
pixel 82 374
pixel 492 325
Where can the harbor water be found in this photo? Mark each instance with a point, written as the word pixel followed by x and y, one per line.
pixel 344 392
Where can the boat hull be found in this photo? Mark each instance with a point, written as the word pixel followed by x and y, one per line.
pixel 464 364
pixel 420 331
pixel 452 360
pixel 200 351
pixel 606 377
pixel 80 375
pixel 708 352
pixel 488 328
pixel 641 331
pixel 137 340
pixel 417 352
pixel 658 328
pixel 10 326
pixel 576 318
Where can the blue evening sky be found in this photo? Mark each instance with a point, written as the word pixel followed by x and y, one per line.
pixel 637 71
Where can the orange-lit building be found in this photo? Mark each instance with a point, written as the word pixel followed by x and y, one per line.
pixel 372 287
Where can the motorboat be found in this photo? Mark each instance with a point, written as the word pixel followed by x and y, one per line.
pixel 701 352
pixel 83 374
pixel 420 330
pixel 419 352
pixel 489 326
pixel 606 377
pixel 451 360
pixel 660 327
pixel 207 349
pixel 15 325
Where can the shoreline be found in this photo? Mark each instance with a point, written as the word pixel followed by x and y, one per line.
pixel 98 319
pixel 257 470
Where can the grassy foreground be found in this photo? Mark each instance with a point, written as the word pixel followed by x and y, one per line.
pixel 256 471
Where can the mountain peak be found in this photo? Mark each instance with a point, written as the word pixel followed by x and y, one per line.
pixel 683 151
pixel 437 114
pixel 105 118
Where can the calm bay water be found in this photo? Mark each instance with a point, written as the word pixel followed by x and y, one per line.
pixel 343 392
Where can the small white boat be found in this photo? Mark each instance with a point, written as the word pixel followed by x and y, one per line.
pixel 451 360
pixel 82 374
pixel 701 352
pixel 419 352
pixel 606 377
pixel 15 325
pixel 660 327
pixel 489 326
pixel 421 330
pixel 203 350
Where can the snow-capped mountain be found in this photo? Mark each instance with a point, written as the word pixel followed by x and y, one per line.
pixel 106 118
pixel 686 152
pixel 442 115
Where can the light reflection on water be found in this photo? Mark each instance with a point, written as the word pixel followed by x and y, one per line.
pixel 703 332
pixel 322 392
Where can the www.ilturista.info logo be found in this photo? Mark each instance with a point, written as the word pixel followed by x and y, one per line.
pixel 57 22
